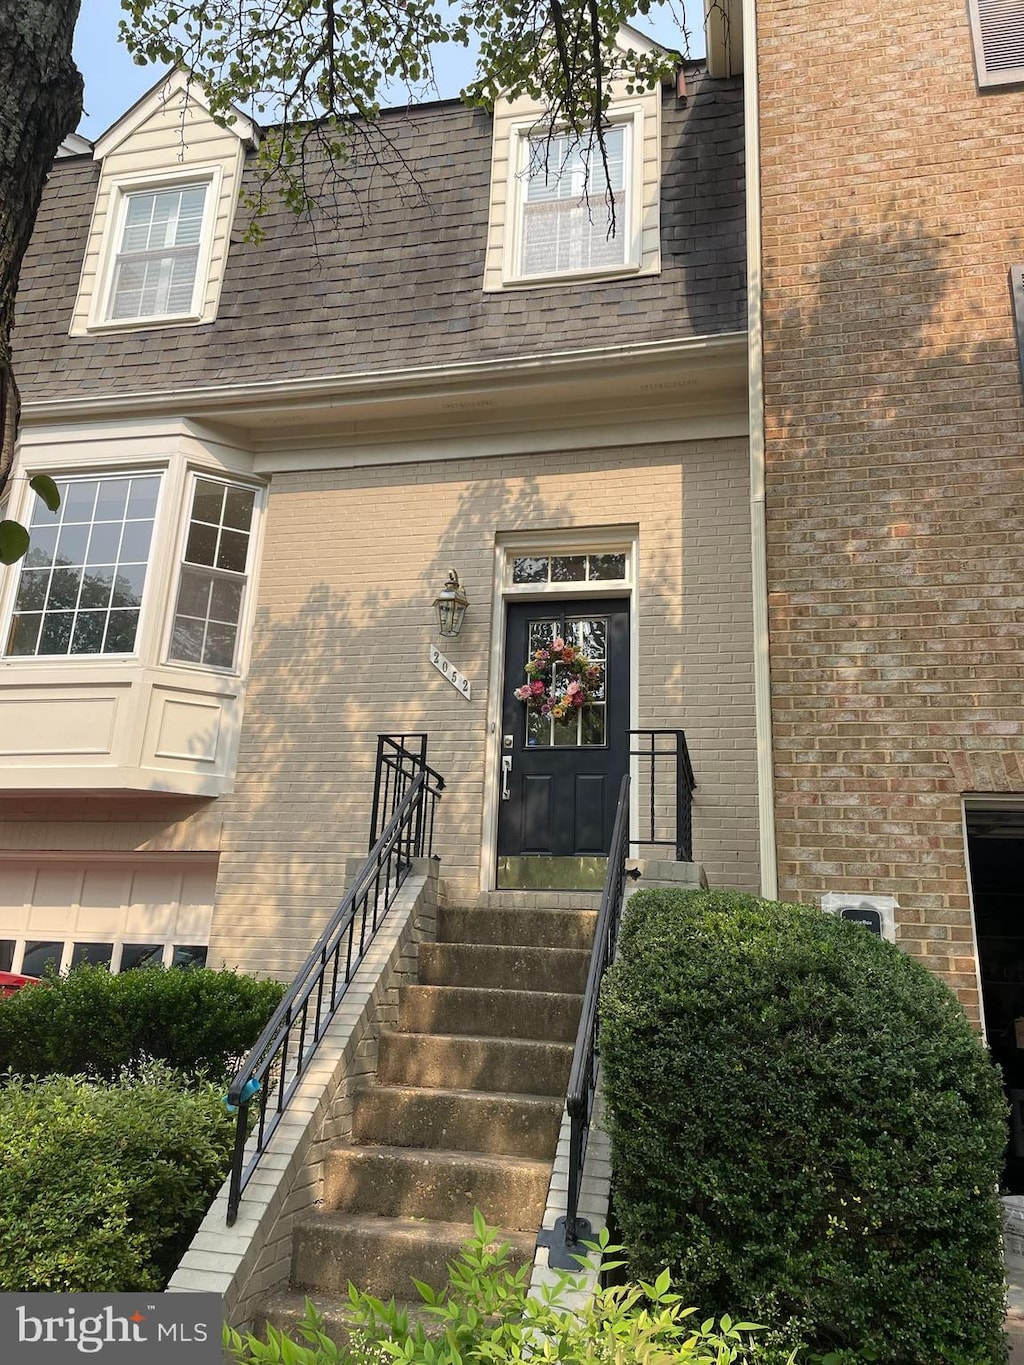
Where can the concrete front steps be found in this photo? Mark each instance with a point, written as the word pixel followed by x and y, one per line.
pixel 464 1114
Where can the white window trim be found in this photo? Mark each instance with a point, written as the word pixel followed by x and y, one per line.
pixel 120 190
pixel 117 941
pixel 582 588
pixel 630 116
pixel 170 532
pixel 509 545
pixel 240 666
pixel 77 473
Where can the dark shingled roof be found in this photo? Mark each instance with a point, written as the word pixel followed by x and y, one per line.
pixel 395 285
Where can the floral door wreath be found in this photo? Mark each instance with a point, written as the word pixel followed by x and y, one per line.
pixel 561 680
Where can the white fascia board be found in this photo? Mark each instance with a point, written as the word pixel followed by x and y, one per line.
pixel 73 145
pixel 170 84
pixel 74 430
pixel 419 380
pixel 630 37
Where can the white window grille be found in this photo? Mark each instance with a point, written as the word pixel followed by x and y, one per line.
pixel 157 260
pixel 211 588
pixel 81 583
pixel 575 207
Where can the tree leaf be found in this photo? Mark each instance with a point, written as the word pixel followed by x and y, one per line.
pixel 14 541
pixel 45 488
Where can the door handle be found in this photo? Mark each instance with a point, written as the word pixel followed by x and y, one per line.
pixel 506 773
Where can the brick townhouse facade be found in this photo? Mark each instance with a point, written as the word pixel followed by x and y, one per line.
pixel 891 192
pixel 415 392
pixel 272 455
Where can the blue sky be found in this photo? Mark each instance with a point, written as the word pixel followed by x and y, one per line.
pixel 113 82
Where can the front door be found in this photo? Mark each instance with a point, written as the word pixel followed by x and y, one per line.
pixel 560 774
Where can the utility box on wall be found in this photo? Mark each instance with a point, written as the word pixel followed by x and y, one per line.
pixel 877 914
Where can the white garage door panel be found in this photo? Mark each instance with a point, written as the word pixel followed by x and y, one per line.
pixel 165 901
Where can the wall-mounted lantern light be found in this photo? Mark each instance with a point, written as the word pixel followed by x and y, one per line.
pixel 450 605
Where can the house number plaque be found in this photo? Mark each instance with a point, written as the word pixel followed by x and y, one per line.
pixel 458 680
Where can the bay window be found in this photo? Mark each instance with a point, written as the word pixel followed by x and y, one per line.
pixel 81 583
pixel 211 586
pixel 124 626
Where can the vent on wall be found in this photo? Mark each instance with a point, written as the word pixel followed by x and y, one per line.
pixel 997 27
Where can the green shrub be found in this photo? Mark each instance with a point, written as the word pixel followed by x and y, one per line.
pixel 804 1128
pixel 102 1185
pixel 485 1316
pixel 89 1022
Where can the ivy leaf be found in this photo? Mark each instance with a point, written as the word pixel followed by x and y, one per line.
pixel 13 541
pixel 45 488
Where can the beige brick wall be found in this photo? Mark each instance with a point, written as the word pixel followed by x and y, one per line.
pixel 352 561
pixel 109 824
pixel 892 209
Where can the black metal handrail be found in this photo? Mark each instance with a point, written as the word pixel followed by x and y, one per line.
pixel 277 1062
pixel 399 759
pixel 579 1101
pixel 669 807
pixel 565 1244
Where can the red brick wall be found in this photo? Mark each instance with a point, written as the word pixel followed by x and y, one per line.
pixel 893 205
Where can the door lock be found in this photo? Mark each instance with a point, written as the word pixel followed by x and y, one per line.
pixel 506 773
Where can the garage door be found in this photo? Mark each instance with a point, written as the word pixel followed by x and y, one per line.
pixel 118 911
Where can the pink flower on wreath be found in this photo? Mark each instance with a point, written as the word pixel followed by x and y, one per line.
pixel 537 688
pixel 557 645
pixel 523 693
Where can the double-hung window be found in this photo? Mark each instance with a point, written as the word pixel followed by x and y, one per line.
pixel 575 207
pixel 214 573
pixel 81 583
pixel 155 271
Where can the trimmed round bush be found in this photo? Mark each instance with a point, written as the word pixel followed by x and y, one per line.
pixel 804 1129
pixel 198 1021
pixel 103 1184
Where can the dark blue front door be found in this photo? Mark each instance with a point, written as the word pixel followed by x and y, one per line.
pixel 560 778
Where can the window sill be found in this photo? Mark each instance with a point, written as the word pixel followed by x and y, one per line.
pixel 146 324
pixel 118 725
pixel 573 277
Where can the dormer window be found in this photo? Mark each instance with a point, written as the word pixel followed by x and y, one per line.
pixel 156 266
pixel 564 214
pixel 159 241
pixel 567 199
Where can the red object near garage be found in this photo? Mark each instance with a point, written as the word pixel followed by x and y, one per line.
pixel 13 981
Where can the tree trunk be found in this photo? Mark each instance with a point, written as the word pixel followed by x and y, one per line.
pixel 40 103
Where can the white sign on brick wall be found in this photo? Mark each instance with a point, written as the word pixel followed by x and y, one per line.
pixel 448 670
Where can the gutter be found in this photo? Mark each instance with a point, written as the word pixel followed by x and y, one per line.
pixel 386 384
pixel 758 530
